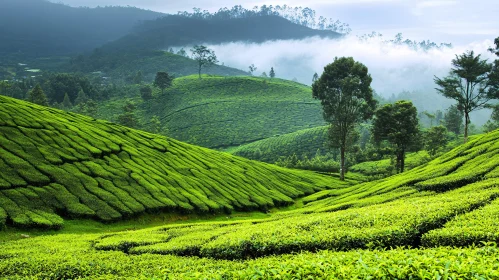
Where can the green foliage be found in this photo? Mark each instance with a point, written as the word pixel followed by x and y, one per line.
pixel 473 83
pixel 435 139
pixel 66 103
pixel 37 96
pixel 398 124
pixel 146 92
pixel 204 57
pixel 128 117
pixel 344 89
pixel 272 73
pixel 162 81
pixel 79 167
pixel 453 120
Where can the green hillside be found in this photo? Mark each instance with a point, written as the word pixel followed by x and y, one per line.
pixel 303 142
pixel 222 112
pixel 387 229
pixel 57 165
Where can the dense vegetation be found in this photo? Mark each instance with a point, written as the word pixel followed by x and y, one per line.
pixel 434 205
pixel 61 164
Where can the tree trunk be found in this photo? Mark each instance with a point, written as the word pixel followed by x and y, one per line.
pixel 342 164
pixel 402 161
pixel 466 122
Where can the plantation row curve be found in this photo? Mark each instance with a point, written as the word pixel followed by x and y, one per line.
pixel 56 164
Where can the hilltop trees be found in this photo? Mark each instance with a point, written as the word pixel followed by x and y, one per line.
pixel 162 81
pixel 347 99
pixel 128 117
pixel 204 57
pixel 472 83
pixel 315 77
pixel 399 125
pixel 272 73
pixel 37 96
pixel 146 92
pixel 435 139
pixel 252 68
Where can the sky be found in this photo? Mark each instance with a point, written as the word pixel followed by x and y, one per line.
pixel 450 21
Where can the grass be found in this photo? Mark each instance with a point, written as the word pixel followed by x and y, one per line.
pixel 56 164
pixel 223 112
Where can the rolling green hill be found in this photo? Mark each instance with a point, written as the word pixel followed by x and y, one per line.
pixel 303 142
pixel 385 229
pixel 57 165
pixel 222 112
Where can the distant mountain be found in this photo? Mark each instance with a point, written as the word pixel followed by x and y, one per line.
pixel 41 28
pixel 175 30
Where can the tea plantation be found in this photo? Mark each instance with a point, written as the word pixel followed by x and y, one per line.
pixel 436 221
pixel 223 112
pixel 303 142
pixel 56 164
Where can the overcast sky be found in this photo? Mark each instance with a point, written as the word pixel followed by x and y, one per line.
pixel 453 21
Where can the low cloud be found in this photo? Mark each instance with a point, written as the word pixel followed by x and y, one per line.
pixel 394 68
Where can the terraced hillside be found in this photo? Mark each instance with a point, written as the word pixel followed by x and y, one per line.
pixel 222 112
pixel 303 142
pixel 55 165
pixel 358 232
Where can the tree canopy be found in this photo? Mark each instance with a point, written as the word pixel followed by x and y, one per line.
pixel 162 81
pixel 472 83
pixel 398 124
pixel 204 57
pixel 347 99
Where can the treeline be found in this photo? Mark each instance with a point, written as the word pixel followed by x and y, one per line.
pixel 299 15
pixel 399 40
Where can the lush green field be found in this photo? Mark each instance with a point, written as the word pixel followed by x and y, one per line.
pixel 304 142
pixel 223 112
pixel 385 229
pixel 56 164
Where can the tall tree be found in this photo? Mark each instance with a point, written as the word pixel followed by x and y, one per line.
pixel 81 98
pixel 272 73
pixel 37 96
pixel 204 57
pixel 453 119
pixel 128 117
pixel 399 125
pixel 66 103
pixel 4 86
pixel 162 81
pixel 472 83
pixel 347 99
pixel 138 78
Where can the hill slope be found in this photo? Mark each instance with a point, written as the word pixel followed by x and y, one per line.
pixel 304 142
pixel 221 112
pixel 366 231
pixel 57 164
pixel 41 28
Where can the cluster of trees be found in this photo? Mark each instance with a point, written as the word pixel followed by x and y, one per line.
pixel 424 45
pixel 299 15
pixel 345 92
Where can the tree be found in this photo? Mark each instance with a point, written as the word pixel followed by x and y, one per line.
pixel 315 77
pixel 146 92
pixel 430 116
pixel 264 75
pixel 397 124
pixel 155 125
pixel 66 103
pixel 204 57
pixel 252 68
pixel 162 81
pixel 128 117
pixel 272 73
pixel 453 119
pixel 435 139
pixel 4 86
pixel 138 78
pixel 493 123
pixel 472 83
pixel 81 97
pixel 347 99
pixel 182 52
pixel 37 96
